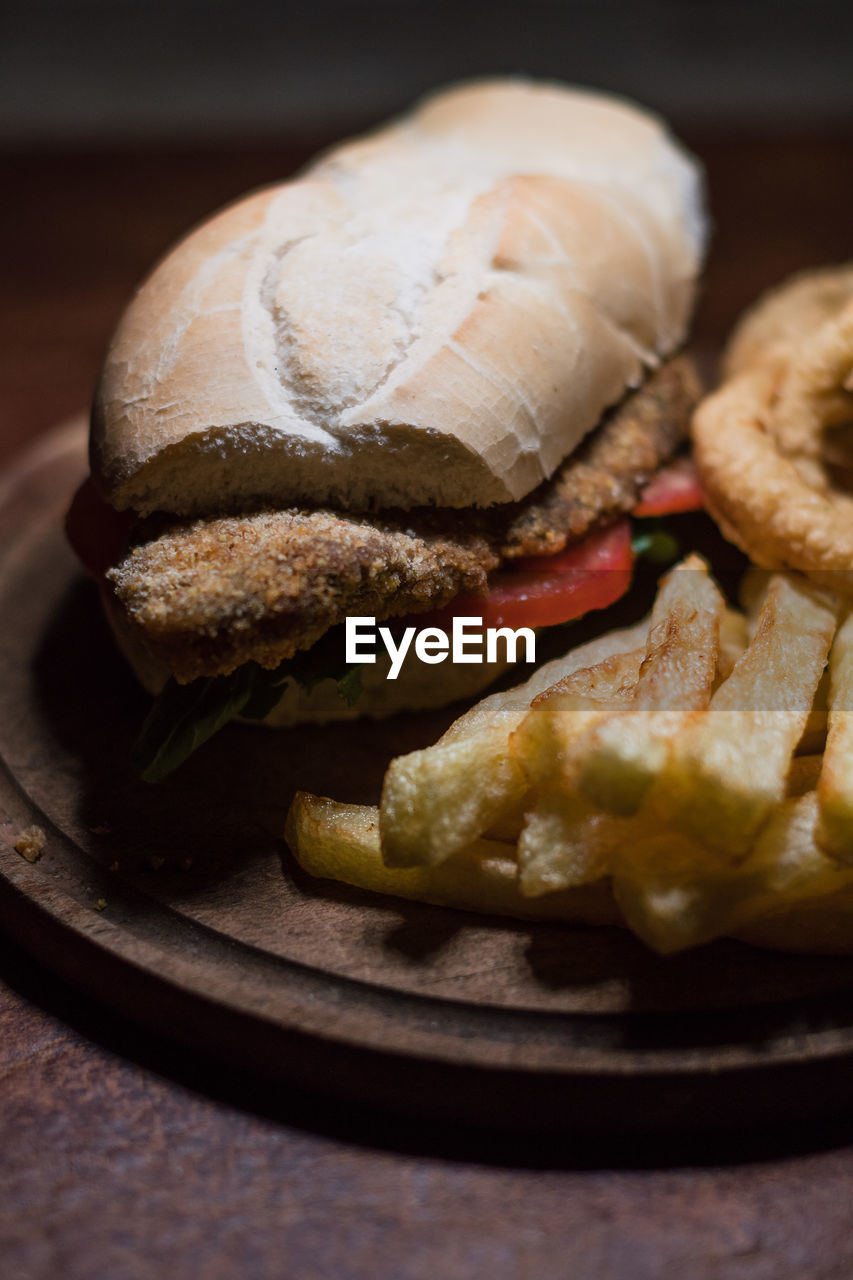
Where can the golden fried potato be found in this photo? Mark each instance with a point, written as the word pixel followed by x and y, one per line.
pixel 673 895
pixel 835 788
pixel 564 844
pixel 336 841
pixel 728 768
pixel 440 799
pixel 615 762
pixel 560 716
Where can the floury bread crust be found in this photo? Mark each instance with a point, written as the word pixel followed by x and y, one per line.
pixel 435 314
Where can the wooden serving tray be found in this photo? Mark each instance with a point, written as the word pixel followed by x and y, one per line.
pixel 180 906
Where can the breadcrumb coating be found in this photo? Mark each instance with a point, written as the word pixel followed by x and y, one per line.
pixel 209 594
pixel 212 594
pixel 603 478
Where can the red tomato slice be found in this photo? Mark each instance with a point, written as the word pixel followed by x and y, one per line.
pixel 675 488
pixel 541 591
pixel 97 533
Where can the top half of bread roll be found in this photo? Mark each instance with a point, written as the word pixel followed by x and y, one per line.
pixel 435 313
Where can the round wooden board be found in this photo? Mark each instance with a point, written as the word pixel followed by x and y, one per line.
pixel 180 906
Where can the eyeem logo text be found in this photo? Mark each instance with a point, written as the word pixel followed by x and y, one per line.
pixel 469 642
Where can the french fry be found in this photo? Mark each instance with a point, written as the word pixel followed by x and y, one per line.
pixel 728 767
pixel 341 842
pixel 562 713
pixel 577 732
pixel 608 679
pixel 439 800
pixel 835 788
pixel 617 760
pixel 674 896
pixel 787 864
pixel 563 844
pixel 668 890
pixel 555 845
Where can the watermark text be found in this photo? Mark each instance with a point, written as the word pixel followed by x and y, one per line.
pixel 469 641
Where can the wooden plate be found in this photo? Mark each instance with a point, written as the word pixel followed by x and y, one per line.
pixel 180 906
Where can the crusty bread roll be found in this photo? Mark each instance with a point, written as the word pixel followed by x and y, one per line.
pixel 436 313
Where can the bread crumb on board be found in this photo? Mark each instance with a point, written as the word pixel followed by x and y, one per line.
pixel 30 843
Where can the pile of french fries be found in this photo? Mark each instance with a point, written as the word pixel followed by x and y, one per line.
pixel 690 777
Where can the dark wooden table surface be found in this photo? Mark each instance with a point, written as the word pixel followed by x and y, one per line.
pixel 122 1156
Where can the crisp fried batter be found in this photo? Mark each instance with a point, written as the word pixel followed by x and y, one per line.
pixel 209 594
pixel 603 478
pixel 212 594
pixel 774 470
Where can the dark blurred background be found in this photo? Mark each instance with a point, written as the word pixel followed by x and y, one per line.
pixel 115 70
pixel 122 122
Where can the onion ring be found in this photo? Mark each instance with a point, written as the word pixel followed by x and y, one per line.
pixel 759 440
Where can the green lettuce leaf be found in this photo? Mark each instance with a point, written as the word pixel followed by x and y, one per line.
pixel 184 716
pixel 655 542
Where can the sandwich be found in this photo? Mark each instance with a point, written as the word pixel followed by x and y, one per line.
pixel 430 376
